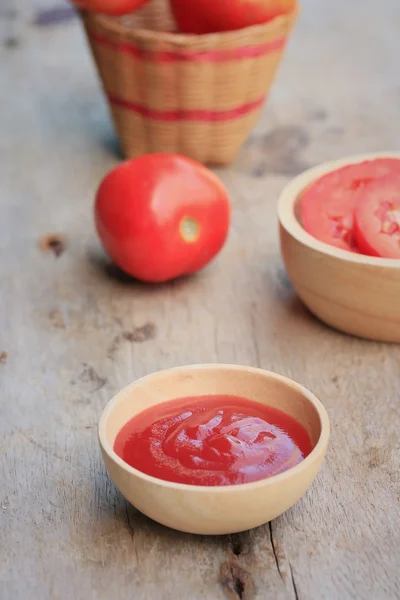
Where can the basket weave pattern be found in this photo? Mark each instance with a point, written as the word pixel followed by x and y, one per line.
pixel 194 95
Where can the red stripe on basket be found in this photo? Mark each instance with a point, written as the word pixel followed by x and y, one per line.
pixel 216 116
pixel 186 55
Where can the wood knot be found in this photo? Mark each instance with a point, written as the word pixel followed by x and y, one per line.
pixel 55 243
pixel 141 334
pixel 236 581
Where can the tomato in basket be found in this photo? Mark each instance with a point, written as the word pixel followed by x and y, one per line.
pixel 377 218
pixel 208 16
pixel 110 7
pixel 161 216
pixel 328 205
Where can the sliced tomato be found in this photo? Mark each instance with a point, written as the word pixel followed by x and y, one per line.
pixel 377 218
pixel 328 205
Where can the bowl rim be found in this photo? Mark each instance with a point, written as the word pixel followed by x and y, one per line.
pixel 318 449
pixel 291 224
pixel 180 39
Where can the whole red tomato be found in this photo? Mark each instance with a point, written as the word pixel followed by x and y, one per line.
pixel 161 216
pixel 110 7
pixel 207 16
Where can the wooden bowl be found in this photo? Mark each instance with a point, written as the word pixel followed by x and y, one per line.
pixel 214 510
pixel 356 294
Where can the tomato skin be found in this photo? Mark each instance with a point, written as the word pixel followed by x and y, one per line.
pixel 208 16
pixel 377 218
pixel 114 8
pixel 363 245
pixel 161 216
pixel 328 205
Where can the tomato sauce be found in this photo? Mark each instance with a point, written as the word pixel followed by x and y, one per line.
pixel 212 440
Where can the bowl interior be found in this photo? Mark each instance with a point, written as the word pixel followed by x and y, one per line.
pixel 254 384
pixel 297 205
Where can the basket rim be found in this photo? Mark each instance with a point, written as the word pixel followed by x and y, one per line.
pixel 180 40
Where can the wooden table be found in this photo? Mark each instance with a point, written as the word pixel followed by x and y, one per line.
pixel 73 331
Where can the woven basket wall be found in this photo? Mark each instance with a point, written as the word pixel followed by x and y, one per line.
pixel 195 95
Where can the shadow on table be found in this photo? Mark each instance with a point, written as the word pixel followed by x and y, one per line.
pixel 129 518
pixel 289 303
pixel 111 144
pixel 107 269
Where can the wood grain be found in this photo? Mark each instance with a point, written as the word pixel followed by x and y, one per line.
pixel 68 327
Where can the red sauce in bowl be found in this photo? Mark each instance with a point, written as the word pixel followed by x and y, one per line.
pixel 212 440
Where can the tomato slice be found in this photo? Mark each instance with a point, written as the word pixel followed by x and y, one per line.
pixel 377 218
pixel 328 205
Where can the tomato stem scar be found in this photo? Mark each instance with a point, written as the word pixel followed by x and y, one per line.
pixel 189 229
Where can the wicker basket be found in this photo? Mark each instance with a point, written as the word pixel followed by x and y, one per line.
pixel 194 95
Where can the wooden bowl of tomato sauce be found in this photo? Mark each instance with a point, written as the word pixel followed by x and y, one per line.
pixel 356 293
pixel 242 445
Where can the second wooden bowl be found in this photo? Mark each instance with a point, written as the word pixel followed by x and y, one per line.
pixel 214 509
pixel 356 294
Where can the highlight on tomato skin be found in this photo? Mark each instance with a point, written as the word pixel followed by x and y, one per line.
pixel 115 8
pixel 328 205
pixel 162 216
